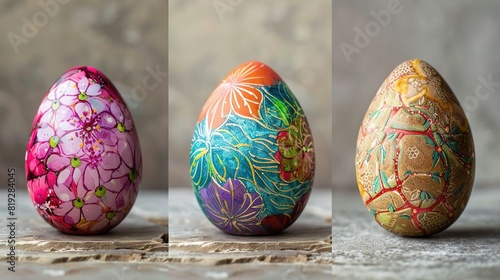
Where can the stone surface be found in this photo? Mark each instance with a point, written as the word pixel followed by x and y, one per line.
pixel 469 249
pixel 193 239
pixel 42 250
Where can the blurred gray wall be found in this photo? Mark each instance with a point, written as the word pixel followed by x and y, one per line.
pixel 121 38
pixel 293 37
pixel 459 38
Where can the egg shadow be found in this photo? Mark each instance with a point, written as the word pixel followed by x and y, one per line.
pixel 297 232
pixel 304 230
pixel 468 233
pixel 128 231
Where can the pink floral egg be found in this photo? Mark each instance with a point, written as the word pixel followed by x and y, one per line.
pixel 83 159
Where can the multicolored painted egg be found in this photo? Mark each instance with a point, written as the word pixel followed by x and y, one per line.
pixel 415 154
pixel 252 156
pixel 83 159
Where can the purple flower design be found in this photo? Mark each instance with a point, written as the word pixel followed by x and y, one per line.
pixel 124 120
pixel 75 203
pixel 232 208
pixel 39 150
pixel 87 132
pixel 82 90
pixel 83 159
pixel 111 220
pixel 52 109
pixel 74 171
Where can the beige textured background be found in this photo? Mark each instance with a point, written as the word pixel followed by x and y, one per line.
pixel 459 38
pixel 121 38
pixel 293 37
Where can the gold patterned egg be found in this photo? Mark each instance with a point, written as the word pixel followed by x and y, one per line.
pixel 415 154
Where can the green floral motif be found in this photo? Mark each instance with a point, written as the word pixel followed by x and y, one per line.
pixel 295 152
pixel 270 157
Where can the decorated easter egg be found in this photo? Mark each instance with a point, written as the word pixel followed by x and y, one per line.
pixel 83 159
pixel 252 156
pixel 415 154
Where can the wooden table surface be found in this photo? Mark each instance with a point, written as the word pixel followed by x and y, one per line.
pixel 139 247
pixel 199 250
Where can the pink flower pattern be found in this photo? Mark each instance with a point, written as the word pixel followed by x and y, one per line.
pixel 83 159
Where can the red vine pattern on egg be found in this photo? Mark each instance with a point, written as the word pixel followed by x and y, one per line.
pixel 415 154
pixel 83 159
